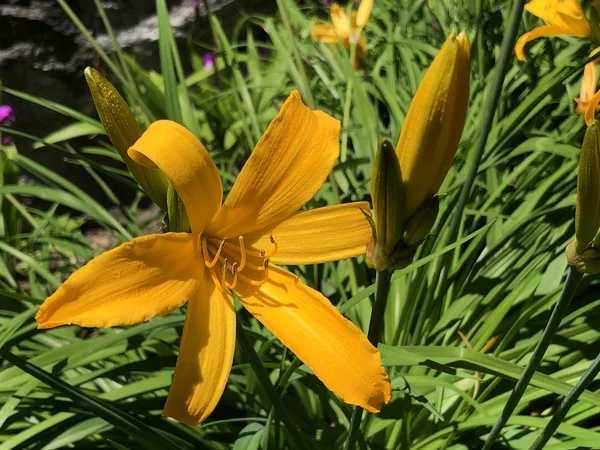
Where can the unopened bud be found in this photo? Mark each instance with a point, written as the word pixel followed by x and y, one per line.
pixel 123 131
pixel 434 122
pixel 587 211
pixel 420 224
pixel 387 193
pixel 176 216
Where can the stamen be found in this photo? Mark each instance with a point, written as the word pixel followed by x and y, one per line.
pixel 243 253
pixel 212 264
pixel 274 249
pixel 255 282
pixel 215 279
pixel 234 271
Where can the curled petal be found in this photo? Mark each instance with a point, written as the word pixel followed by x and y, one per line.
pixel 539 32
pixel 187 164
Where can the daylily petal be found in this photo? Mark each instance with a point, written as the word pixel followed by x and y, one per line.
pixel 320 235
pixel 289 164
pixel 145 277
pixel 187 164
pixel 590 112
pixel 363 13
pixel 325 32
pixel 536 33
pixel 340 21
pixel 308 324
pixel 205 356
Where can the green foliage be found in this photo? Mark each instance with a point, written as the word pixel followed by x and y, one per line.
pixel 502 277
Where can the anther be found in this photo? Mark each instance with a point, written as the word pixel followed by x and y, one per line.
pixel 275 248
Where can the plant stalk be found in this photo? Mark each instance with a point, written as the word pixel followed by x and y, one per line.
pixel 295 440
pixel 490 105
pixel 567 403
pixel 382 289
pixel 147 435
pixel 571 283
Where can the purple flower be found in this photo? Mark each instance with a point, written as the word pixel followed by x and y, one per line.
pixel 197 7
pixel 6 140
pixel 7 114
pixel 209 61
pixel 325 2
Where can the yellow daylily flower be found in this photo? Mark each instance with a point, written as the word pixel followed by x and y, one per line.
pixel 561 17
pixel 585 105
pixel 345 29
pixel 434 123
pixel 230 249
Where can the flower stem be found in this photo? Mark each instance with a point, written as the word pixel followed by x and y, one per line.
pixel 568 291
pixel 295 440
pixel 566 404
pixel 382 289
pixel 489 109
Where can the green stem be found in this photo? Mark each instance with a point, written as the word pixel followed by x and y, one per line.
pixel 117 417
pixel 295 440
pixel 382 288
pixel 566 404
pixel 490 106
pixel 347 105
pixel 568 291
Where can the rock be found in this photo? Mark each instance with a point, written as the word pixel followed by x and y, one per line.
pixel 42 53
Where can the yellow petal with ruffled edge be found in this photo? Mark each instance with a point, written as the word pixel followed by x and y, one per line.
pixel 288 166
pixel 333 347
pixel 187 164
pixel 205 356
pixel 145 277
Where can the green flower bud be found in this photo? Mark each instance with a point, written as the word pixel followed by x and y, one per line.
pixel 587 212
pixel 387 193
pixel 123 131
pixel 420 224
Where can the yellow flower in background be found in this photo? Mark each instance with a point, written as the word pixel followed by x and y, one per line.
pixel 346 29
pixel 231 248
pixel 587 92
pixel 434 123
pixel 561 17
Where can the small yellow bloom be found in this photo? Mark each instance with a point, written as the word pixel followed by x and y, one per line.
pixel 434 123
pixel 587 102
pixel 345 29
pixel 561 17
pixel 230 249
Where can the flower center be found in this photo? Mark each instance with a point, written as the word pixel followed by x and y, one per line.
pixel 227 260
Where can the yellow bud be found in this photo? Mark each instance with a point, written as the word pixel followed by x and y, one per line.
pixel 123 131
pixel 420 224
pixel 387 194
pixel 587 211
pixel 177 217
pixel 434 122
